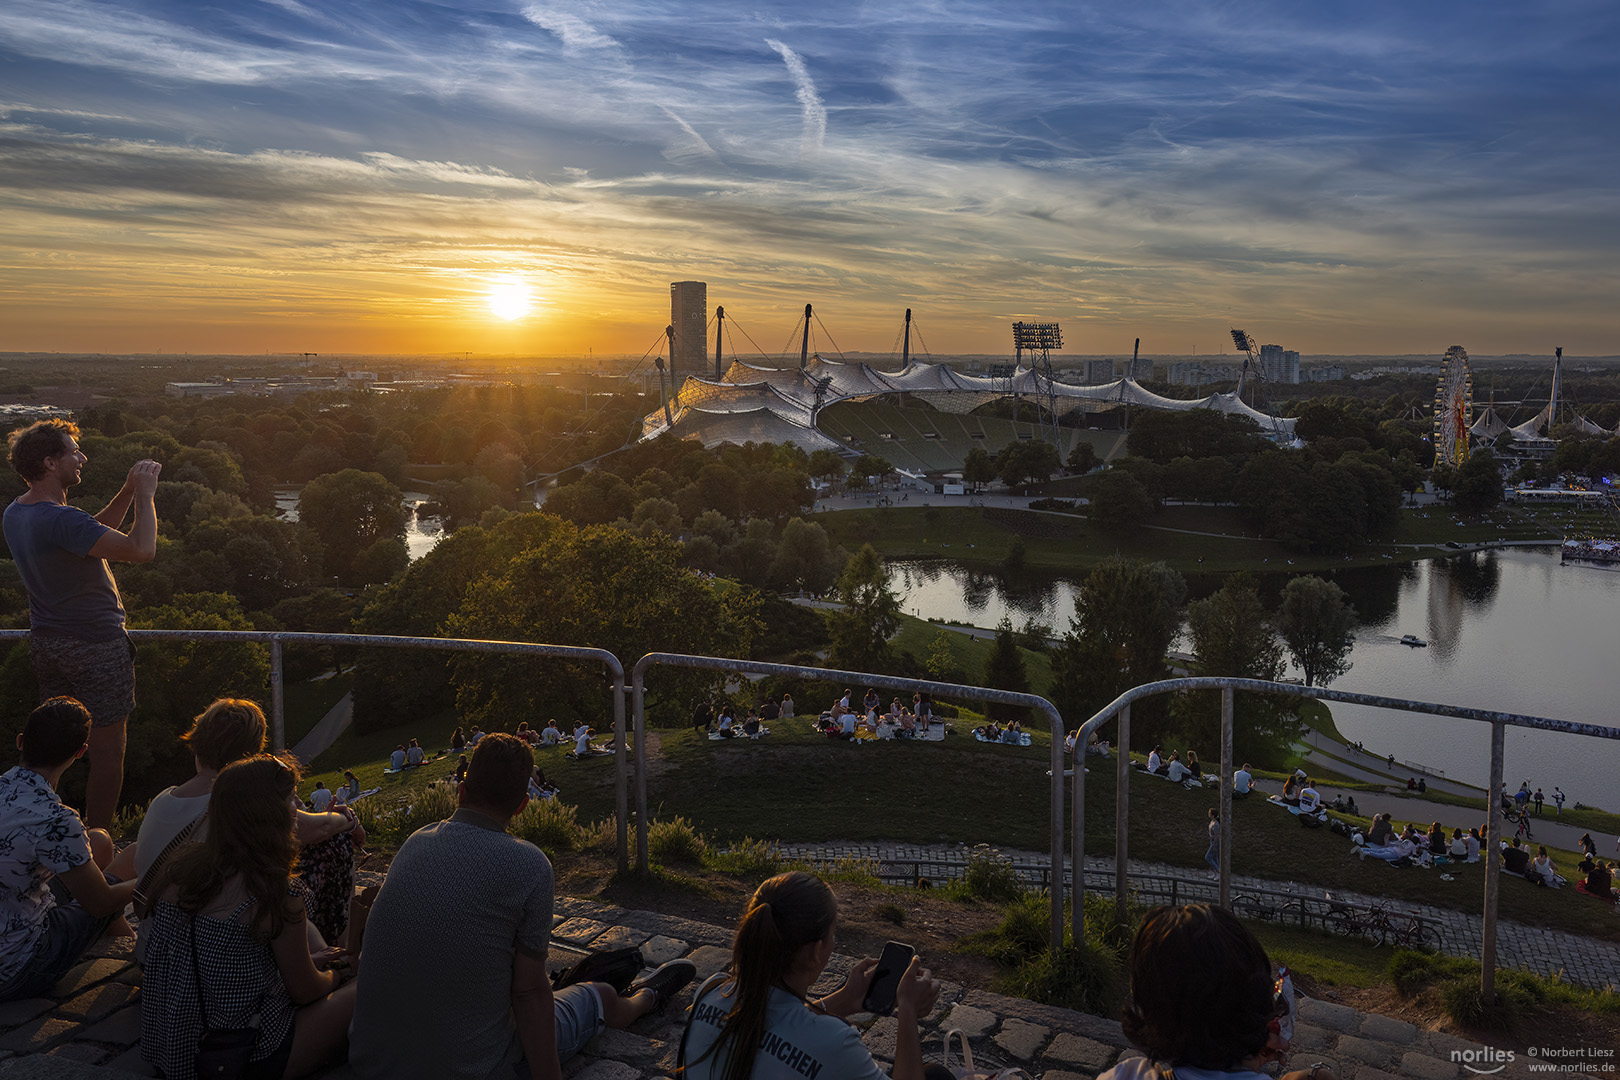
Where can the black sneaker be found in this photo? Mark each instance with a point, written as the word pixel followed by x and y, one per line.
pixel 667 981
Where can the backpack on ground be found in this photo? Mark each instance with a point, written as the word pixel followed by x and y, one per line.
pixel 616 967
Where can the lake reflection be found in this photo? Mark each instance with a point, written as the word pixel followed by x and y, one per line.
pixel 1513 631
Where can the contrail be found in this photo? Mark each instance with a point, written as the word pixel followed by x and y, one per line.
pixel 815 113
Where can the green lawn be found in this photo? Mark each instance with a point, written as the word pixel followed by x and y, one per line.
pixel 917 636
pixel 306 702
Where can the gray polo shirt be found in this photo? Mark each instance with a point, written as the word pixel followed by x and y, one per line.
pixel 435 991
pixel 68 591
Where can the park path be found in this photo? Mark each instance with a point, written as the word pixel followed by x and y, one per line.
pixel 326 731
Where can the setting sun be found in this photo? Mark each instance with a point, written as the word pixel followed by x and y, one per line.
pixel 509 298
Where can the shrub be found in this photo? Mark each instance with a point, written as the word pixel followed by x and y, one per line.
pixel 891 913
pixel 127 825
pixel 751 859
pixel 549 824
pixel 990 877
pixel 675 841
pixel 392 824
pixel 1085 978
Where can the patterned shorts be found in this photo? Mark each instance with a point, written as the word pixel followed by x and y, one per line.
pixel 100 674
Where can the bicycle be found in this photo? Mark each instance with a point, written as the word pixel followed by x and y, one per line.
pixel 1382 926
pixel 1519 818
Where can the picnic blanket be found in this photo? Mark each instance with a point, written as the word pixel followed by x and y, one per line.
pixel 739 733
pixel 1023 739
pixel 1319 814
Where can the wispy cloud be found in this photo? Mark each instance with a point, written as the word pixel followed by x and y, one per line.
pixel 815 113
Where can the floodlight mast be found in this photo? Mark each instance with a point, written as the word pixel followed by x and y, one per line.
pixel 804 349
pixel 1245 345
pixel 719 335
pixel 669 333
pixel 1041 339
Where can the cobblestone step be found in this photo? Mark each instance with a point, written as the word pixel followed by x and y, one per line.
pixel 87 1027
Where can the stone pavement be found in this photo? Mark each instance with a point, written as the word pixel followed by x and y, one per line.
pixel 1582 960
pixel 87 1028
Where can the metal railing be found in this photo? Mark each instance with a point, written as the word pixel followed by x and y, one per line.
pixel 1120 707
pixel 887 682
pixel 278 723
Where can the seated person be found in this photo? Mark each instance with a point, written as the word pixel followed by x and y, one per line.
pixel 414 754
pixel 702 717
pixel 1411 784
pixel 1069 740
pixel 582 740
pixel 1291 786
pixel 1458 848
pixel 1350 805
pixel 1586 864
pixel 1098 747
pixel 350 790
pixel 750 726
pixel 728 724
pixel 1155 762
pixel 538 787
pixel 768 710
pixel 1242 782
pixel 396 760
pixel 1382 832
pixel 1542 872
pixel 908 723
pixel 55 899
pixel 458 741
pixel 1309 799
pixel 496 1013
pixel 846 725
pixel 1176 771
pixel 473 737
pixel 1337 804
pixel 1009 735
pixel 1599 882
pixel 1202 1001
pixel 1515 860
pixel 1436 839
pixel 524 733
pixel 320 798
pixel 552 736
pixel 461 770
pixel 1472 839
pixel 785 710
pixel 1194 766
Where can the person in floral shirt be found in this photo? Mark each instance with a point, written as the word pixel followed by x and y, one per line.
pixel 55 900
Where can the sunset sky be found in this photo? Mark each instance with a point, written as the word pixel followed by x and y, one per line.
pixel 343 176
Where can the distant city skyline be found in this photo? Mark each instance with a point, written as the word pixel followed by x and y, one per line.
pixel 529 177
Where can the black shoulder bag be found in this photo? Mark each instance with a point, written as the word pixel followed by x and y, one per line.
pixel 222 1053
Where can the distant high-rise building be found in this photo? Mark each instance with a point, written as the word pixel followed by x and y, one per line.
pixel 1099 372
pixel 689 315
pixel 1137 369
pixel 1279 365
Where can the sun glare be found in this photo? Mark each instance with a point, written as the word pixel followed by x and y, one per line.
pixel 509 298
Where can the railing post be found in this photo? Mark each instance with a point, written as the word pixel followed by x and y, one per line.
pixel 638 712
pixel 1492 858
pixel 278 700
pixel 1122 816
pixel 1077 833
pixel 621 794
pixel 1228 767
pixel 1055 877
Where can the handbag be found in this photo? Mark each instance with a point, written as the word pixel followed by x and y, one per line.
pixel 967 1070
pixel 222 1053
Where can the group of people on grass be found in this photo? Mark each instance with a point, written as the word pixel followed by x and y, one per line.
pixel 867 719
pixel 710 720
pixel 1177 768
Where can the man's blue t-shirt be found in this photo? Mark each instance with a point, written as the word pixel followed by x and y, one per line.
pixel 68 591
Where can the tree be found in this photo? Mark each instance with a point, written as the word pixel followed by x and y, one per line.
pixel 1232 635
pixel 598 586
pixel 350 511
pixel 827 465
pixel 1316 622
pixel 978 468
pixel 1083 458
pixel 1004 670
pixel 1127 614
pixel 1118 500
pixel 1025 460
pixel 869 617
pixel 942 665
pixel 1479 484
pixel 805 558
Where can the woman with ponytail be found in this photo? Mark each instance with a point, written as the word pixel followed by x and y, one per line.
pixel 760 1022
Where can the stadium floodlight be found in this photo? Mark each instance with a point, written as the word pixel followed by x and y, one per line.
pixel 1037 337
pixel 1244 343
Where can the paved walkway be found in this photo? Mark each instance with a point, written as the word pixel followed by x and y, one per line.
pixel 88 1027
pixel 1543 950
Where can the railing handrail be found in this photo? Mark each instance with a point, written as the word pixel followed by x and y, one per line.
pixel 889 682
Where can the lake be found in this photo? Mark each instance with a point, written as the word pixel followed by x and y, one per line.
pixel 1513 631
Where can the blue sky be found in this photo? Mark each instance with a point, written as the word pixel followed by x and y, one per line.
pixel 282 175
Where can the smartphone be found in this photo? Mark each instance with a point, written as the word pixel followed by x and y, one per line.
pixel 892 964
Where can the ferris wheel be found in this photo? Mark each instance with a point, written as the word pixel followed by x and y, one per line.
pixel 1453 407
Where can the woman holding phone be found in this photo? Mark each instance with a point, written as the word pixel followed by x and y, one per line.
pixel 759 1022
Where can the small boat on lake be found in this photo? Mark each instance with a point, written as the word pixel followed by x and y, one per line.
pixel 1414 641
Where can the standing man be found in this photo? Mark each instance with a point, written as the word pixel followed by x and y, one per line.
pixel 1558 801
pixel 75 617
pixel 466 913
pixel 1540 798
